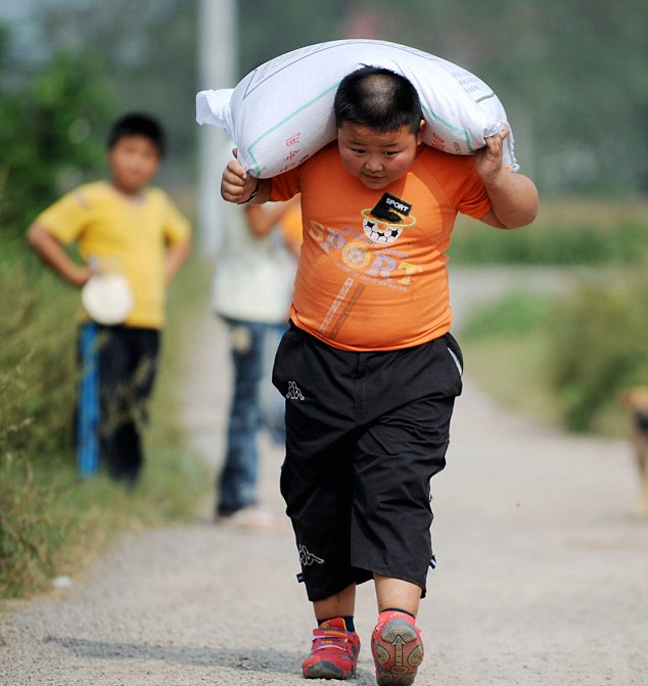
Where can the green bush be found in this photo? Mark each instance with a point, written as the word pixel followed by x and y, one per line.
pixel 598 347
pixel 564 359
pixel 593 343
pixel 554 241
pixel 512 315
pixel 36 397
pixel 51 135
pixel 32 531
pixel 37 372
pixel 51 520
pixel 505 344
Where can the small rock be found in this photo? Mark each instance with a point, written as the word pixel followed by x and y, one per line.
pixel 62 582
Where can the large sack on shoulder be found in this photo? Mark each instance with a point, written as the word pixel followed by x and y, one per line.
pixel 282 111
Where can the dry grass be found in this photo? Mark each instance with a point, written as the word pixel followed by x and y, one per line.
pixel 603 214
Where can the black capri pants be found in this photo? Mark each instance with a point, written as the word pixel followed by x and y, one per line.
pixel 365 433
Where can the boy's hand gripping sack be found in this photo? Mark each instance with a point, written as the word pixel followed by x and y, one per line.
pixel 282 112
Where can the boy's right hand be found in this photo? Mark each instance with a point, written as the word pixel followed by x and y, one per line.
pixel 53 252
pixel 82 276
pixel 236 185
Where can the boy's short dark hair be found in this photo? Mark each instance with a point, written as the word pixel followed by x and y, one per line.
pixel 379 99
pixel 137 124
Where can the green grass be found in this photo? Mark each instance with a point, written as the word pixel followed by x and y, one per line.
pixel 564 360
pixel 567 233
pixel 513 372
pixel 52 522
pixel 598 348
pixel 561 360
pixel 505 345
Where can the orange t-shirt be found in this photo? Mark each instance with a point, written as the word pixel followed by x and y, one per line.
pixel 372 272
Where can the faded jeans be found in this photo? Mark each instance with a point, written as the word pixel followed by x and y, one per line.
pixel 255 404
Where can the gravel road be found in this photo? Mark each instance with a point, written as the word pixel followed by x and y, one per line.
pixel 542 577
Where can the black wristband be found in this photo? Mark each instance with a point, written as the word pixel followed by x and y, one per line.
pixel 253 195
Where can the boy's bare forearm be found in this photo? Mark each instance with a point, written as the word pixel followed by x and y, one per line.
pixel 514 200
pixel 513 197
pixel 176 256
pixel 261 220
pixel 56 257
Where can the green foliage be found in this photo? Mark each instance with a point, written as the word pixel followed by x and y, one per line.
pixel 37 355
pixel 504 343
pixel 46 143
pixel 50 520
pixel 143 54
pixel 48 136
pixel 31 535
pixel 36 395
pixel 613 237
pixel 52 523
pixel 565 359
pixel 598 347
pixel 513 315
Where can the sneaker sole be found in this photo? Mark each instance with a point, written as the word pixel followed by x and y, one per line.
pixel 326 670
pixel 392 648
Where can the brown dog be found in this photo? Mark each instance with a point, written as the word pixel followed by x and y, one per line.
pixel 636 401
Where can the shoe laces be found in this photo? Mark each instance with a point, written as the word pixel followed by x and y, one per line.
pixel 330 639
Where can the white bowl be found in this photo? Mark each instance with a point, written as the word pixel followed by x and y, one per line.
pixel 107 298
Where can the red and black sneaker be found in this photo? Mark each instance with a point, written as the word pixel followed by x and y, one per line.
pixel 397 649
pixel 334 654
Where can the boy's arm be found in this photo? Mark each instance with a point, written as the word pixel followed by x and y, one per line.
pixel 513 197
pixel 176 256
pixel 49 248
pixel 239 187
pixel 261 220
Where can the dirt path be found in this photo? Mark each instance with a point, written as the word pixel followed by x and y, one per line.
pixel 542 577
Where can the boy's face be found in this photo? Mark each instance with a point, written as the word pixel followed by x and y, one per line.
pixel 377 158
pixel 133 162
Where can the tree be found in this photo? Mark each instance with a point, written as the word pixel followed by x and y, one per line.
pixel 48 136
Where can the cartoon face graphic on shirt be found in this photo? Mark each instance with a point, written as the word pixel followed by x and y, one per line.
pixel 387 220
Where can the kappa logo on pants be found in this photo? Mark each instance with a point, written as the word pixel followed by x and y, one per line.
pixel 293 392
pixel 306 558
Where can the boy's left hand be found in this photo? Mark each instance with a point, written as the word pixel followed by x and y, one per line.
pixel 513 196
pixel 488 160
pixel 236 185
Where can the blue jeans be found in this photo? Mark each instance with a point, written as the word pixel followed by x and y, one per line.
pixel 119 366
pixel 254 404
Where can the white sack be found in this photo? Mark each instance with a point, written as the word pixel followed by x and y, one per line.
pixel 282 112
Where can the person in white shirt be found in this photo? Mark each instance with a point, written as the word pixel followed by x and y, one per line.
pixel 251 291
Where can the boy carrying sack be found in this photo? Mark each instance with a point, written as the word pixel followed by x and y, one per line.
pixel 369 368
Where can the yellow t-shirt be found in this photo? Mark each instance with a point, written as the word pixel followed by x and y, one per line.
pixel 124 235
pixel 372 272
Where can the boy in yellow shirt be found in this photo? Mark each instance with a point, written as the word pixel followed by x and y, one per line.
pixel 369 368
pixel 120 226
